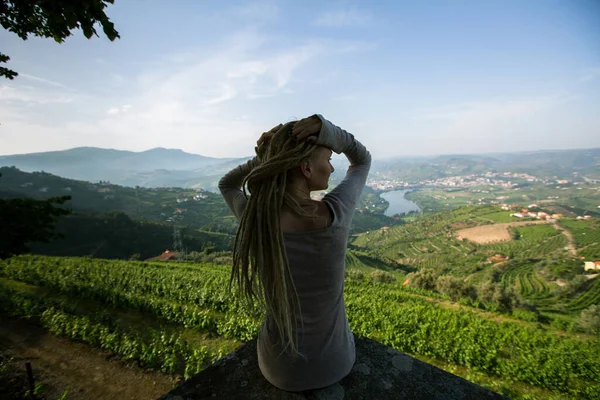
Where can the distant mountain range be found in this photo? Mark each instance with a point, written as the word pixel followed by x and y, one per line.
pixel 563 164
pixel 176 168
pixel 151 168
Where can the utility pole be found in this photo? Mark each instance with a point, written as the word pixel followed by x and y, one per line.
pixel 178 243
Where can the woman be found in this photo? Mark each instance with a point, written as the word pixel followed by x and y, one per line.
pixel 290 250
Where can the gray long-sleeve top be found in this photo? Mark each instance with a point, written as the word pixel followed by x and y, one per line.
pixel 317 261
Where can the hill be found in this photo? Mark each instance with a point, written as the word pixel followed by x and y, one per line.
pixel 560 164
pixel 124 167
pixel 538 261
pixel 113 221
pixel 194 208
pixel 176 168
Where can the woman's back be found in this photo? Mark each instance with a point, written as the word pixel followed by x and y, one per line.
pixel 316 253
pixel 317 263
pixel 291 222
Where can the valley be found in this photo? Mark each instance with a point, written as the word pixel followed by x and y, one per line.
pixel 480 281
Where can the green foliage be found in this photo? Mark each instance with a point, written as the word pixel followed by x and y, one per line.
pixel 116 235
pixel 454 288
pixel 53 19
pixel 194 296
pixel 423 279
pixel 589 320
pixel 26 220
pixel 354 274
pixel 536 259
pixel 587 293
pixel 159 205
pixel 497 295
pixel 510 350
pixel 379 276
pixel 586 235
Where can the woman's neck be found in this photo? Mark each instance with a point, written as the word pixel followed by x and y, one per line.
pixel 299 192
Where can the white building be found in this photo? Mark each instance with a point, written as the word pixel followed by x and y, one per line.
pixel 591 265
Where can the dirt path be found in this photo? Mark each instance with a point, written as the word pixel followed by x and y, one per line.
pixel 569 236
pixel 87 373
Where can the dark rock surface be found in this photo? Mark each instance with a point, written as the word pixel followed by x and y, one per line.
pixel 380 372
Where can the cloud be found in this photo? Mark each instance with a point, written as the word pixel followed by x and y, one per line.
pixel 116 79
pixel 197 105
pixel 42 80
pixel 117 110
pixel 347 97
pixel 27 95
pixel 191 98
pixel 589 75
pixel 508 124
pixel 341 18
pixel 488 112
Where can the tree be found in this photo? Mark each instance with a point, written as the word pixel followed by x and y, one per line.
pixel 497 295
pixel 589 320
pixel 53 19
pixel 454 288
pixel 423 279
pixel 28 220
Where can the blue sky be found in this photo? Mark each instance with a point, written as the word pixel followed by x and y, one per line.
pixel 406 77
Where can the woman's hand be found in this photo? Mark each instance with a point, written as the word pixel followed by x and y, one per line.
pixel 307 128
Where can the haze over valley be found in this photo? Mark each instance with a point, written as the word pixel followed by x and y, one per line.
pixel 474 246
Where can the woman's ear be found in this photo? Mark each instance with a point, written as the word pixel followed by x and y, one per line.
pixel 306 169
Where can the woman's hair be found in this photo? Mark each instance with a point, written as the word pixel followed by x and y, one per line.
pixel 260 264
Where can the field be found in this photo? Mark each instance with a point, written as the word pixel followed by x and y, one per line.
pixel 491 233
pixel 178 318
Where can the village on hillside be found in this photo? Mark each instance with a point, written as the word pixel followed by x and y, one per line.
pixel 529 212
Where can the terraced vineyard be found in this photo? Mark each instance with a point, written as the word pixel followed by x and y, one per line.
pixel 527 282
pixel 586 235
pixel 179 318
pixel 534 262
pixel 590 296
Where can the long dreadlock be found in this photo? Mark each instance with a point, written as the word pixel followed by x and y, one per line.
pixel 260 264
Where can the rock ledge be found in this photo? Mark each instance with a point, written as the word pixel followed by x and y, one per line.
pixel 380 372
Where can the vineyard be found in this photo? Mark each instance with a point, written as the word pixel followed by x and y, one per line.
pixel 535 263
pixel 179 318
pixel 586 235
pixel 431 242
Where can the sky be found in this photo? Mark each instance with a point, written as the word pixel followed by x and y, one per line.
pixel 407 78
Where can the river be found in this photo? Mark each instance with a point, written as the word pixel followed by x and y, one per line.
pixel 398 204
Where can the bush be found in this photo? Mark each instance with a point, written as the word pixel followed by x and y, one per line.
pixel 454 288
pixel 380 276
pixel 560 324
pixel 497 296
pixel 573 286
pixel 526 315
pixel 354 274
pixel 423 279
pixel 589 320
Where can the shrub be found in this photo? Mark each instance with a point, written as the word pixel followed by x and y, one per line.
pixel 380 276
pixel 497 296
pixel 526 315
pixel 354 274
pixel 589 320
pixel 455 288
pixel 423 279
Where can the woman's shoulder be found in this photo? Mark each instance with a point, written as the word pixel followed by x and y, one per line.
pixel 292 223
